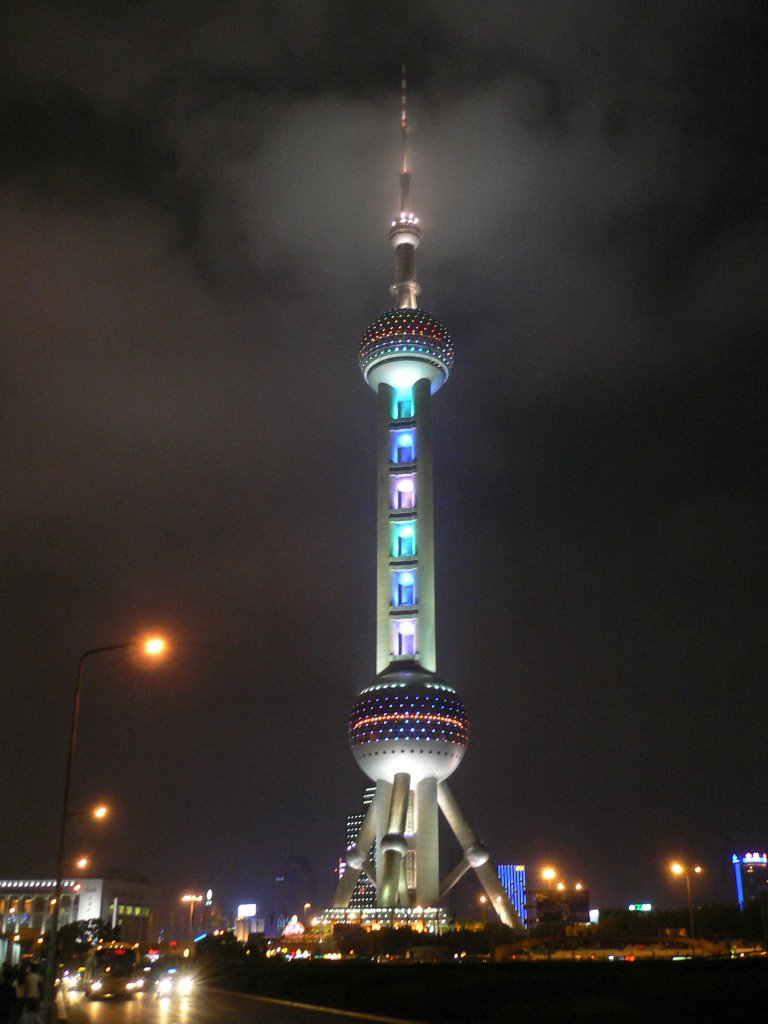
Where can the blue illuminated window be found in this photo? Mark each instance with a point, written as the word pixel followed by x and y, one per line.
pixel 405 589
pixel 406 543
pixel 403 446
pixel 405 409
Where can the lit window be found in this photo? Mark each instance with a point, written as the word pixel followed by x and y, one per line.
pixel 405 409
pixel 406 637
pixel 403 446
pixel 405 588
pixel 406 542
pixel 405 492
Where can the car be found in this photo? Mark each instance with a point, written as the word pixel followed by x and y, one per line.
pixel 171 976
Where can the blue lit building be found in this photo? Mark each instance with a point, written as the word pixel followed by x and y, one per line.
pixel 751 870
pixel 512 877
pixel 408 729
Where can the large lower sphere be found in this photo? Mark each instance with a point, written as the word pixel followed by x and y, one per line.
pixel 408 721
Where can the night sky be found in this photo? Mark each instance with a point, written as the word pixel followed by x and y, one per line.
pixel 194 200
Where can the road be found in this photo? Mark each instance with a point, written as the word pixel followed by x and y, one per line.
pixel 210 1006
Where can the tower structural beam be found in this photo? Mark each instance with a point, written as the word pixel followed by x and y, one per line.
pixel 476 856
pixel 393 846
pixel 357 859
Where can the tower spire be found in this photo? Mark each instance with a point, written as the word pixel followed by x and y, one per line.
pixel 405 178
pixel 405 234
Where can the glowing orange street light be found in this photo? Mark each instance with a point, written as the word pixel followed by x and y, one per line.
pixel 81 863
pixel 152 646
pixel 678 869
pixel 191 898
pixel 549 875
pixel 99 812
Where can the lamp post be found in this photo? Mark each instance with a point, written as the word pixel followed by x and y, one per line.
pixel 153 647
pixel 678 869
pixel 191 898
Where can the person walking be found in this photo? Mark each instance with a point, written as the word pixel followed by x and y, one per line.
pixel 60 1002
pixel 7 997
pixel 33 987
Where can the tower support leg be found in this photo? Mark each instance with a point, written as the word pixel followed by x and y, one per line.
pixel 476 856
pixel 427 848
pixel 357 859
pixel 394 846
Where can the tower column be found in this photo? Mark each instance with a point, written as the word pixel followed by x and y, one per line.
pixel 427 849
pixel 383 801
pixel 425 524
pixel 393 845
pixel 385 398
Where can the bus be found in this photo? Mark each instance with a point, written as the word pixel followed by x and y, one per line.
pixel 112 971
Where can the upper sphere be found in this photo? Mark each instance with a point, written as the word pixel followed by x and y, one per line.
pixel 403 346
pixel 408 721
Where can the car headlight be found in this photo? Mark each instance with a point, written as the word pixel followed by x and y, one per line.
pixel 164 986
pixel 184 986
pixel 96 986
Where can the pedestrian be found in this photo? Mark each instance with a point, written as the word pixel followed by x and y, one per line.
pixel 33 987
pixel 29 1014
pixel 7 997
pixel 18 984
pixel 60 1001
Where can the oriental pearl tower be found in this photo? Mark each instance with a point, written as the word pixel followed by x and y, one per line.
pixel 408 729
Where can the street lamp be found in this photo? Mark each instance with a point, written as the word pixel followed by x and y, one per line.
pixel 191 898
pixel 152 647
pixel 678 869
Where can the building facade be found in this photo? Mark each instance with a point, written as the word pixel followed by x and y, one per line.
pixel 512 877
pixel 122 900
pixel 751 871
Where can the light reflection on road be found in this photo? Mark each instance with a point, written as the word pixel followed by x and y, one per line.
pixel 205 1006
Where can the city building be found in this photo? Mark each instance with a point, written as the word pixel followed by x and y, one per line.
pixel 408 729
pixel 512 877
pixel 122 900
pixel 751 870
pixel 559 904
pixel 364 893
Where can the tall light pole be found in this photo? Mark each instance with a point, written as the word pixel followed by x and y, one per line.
pixel 153 647
pixel 678 869
pixel 191 898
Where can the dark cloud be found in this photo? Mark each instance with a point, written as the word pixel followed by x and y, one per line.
pixel 194 203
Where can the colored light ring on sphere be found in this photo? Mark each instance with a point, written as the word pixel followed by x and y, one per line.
pixel 419 730
pixel 406 333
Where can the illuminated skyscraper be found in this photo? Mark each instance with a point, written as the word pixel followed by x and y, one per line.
pixel 751 870
pixel 364 893
pixel 408 730
pixel 512 877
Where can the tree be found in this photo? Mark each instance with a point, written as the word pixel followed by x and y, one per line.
pixel 80 936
